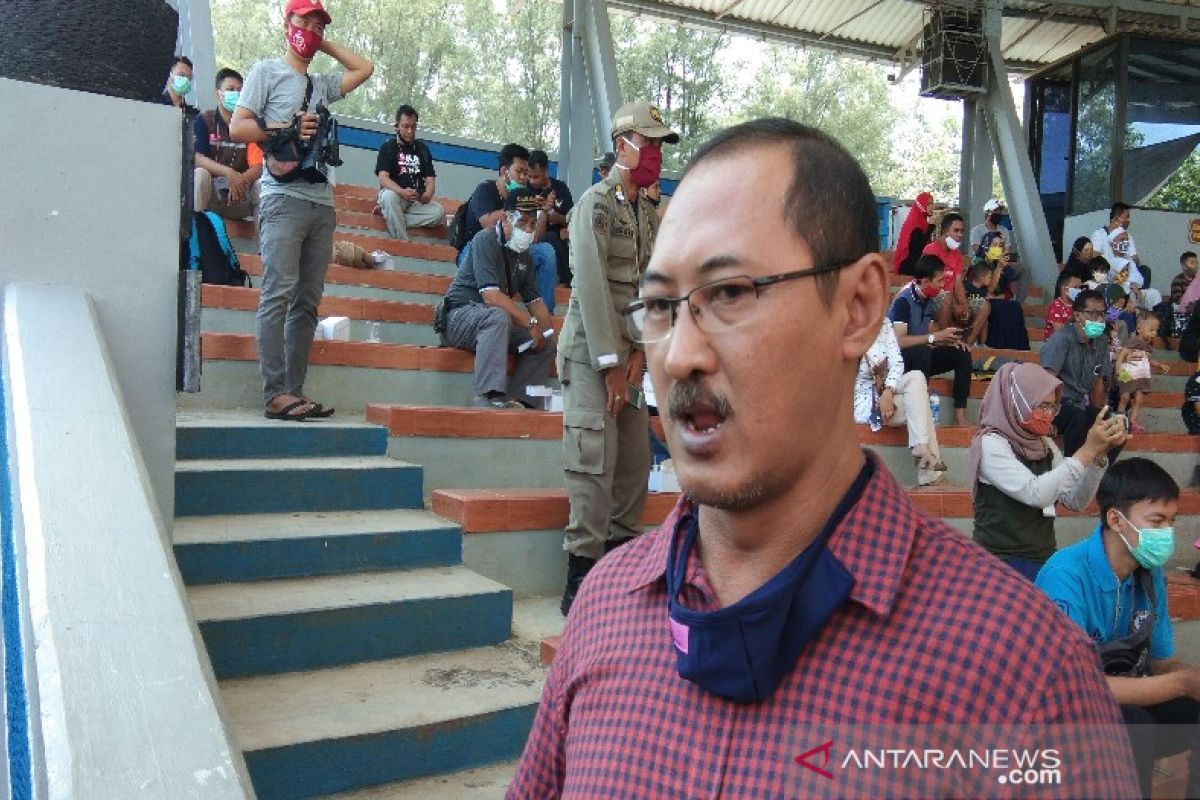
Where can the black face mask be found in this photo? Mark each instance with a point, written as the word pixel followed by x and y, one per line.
pixel 742 652
pixel 995 218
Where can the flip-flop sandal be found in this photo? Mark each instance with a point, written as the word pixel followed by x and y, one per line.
pixel 285 413
pixel 319 411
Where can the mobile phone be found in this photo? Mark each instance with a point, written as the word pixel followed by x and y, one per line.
pixel 634 396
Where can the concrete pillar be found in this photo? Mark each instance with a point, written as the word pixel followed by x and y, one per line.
pixel 1008 139
pixel 591 93
pixel 975 179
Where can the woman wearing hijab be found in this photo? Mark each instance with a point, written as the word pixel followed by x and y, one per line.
pixel 1017 474
pixel 914 234
pixel 1080 258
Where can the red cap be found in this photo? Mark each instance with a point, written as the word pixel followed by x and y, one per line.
pixel 306 7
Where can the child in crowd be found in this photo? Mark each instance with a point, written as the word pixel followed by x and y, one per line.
pixel 1099 267
pixel 980 285
pixel 1132 368
pixel 1191 403
pixel 1059 313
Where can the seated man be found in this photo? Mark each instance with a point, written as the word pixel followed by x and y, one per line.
pixel 227 172
pixel 949 308
pixel 487 206
pixel 407 179
pixel 483 315
pixel 1078 355
pixel 179 85
pixel 924 347
pixel 556 202
pixel 1111 584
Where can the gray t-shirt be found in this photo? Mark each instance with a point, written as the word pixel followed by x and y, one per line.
pixel 275 91
pixel 486 267
pixel 1076 361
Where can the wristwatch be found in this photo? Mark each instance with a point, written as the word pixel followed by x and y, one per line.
pixel 930 338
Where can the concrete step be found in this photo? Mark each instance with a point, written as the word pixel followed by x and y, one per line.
pixel 220 320
pixel 515 535
pixel 277 626
pixel 436 255
pixel 337 730
pixel 1168 392
pixel 484 783
pixel 217 435
pixel 207 487
pixel 257 547
pixel 470 448
pixel 375 222
pixel 237 298
pixel 411 281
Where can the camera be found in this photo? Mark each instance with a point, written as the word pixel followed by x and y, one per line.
pixel 324 150
pixel 289 158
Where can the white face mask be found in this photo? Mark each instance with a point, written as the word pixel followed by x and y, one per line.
pixel 520 240
pixel 952 243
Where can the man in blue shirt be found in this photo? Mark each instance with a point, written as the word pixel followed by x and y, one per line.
pixel 1111 584
pixel 923 348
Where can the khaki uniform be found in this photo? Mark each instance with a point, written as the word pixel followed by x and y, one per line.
pixel 606 459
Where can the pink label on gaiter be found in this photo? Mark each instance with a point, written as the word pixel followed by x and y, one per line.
pixel 679 635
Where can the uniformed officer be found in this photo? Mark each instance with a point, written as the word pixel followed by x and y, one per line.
pixel 606 450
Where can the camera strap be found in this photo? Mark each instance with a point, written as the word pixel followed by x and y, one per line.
pixel 307 94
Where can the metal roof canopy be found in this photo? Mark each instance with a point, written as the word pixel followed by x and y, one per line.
pixel 1034 33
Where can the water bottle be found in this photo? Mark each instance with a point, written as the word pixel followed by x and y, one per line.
pixel 935 407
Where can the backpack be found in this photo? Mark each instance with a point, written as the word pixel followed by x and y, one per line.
pixel 458 228
pixel 211 252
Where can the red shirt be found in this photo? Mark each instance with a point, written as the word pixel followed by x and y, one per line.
pixel 952 262
pixel 1059 311
pixel 936 630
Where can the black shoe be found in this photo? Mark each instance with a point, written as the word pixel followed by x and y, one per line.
pixel 577 569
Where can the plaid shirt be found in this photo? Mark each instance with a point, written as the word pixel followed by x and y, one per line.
pixel 936 631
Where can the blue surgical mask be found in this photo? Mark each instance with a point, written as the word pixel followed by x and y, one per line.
pixel 512 185
pixel 181 84
pixel 229 99
pixel 1093 329
pixel 742 652
pixel 1073 293
pixel 1155 545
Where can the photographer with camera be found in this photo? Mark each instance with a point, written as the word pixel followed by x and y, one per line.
pixel 283 108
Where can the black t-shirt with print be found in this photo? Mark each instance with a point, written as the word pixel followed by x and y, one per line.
pixel 1191 396
pixel 407 164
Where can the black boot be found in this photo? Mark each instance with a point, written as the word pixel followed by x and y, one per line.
pixel 577 569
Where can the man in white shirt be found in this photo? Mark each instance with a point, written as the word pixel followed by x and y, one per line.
pixel 1115 243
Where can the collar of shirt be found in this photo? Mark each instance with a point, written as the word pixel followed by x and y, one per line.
pixel 1097 561
pixel 876 562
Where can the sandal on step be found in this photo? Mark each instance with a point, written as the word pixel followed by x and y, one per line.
pixel 286 412
pixel 319 411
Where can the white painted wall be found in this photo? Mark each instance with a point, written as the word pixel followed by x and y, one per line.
pixel 125 701
pixel 1160 236
pixel 89 198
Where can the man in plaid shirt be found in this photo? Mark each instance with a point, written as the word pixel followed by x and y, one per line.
pixel 796 601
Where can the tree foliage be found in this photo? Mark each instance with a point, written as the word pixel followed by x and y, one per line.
pixel 489 69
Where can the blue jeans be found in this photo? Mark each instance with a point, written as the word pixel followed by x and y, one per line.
pixel 544 263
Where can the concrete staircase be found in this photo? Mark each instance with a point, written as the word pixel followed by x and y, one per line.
pixel 375 625
pixel 351 645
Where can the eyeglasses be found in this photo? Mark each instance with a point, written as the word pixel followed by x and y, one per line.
pixel 716 307
pixel 1049 408
pixel 1092 313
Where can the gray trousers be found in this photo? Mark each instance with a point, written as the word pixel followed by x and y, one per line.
pixel 606 463
pixel 400 214
pixel 296 240
pixel 489 333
